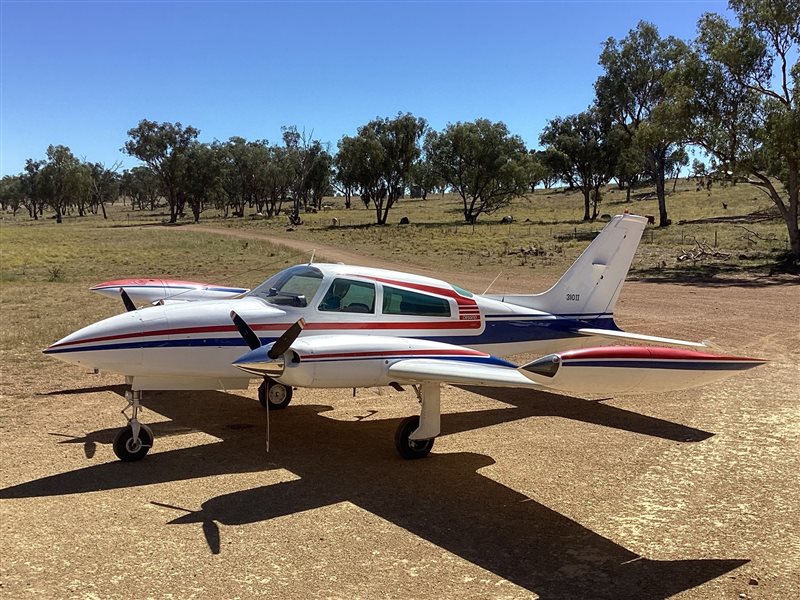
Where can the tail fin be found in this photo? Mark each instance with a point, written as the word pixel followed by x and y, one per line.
pixel 590 287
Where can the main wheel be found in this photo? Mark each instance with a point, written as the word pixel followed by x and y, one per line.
pixel 279 395
pixel 411 449
pixel 127 449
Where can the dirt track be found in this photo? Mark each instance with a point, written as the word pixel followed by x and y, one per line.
pixel 691 493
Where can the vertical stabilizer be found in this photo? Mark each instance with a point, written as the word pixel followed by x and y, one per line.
pixel 590 287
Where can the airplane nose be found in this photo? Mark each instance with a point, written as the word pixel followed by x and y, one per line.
pixel 91 345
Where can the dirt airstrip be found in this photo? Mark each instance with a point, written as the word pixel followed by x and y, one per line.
pixel 692 494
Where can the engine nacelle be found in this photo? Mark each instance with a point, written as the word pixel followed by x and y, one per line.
pixel 344 361
pixel 620 369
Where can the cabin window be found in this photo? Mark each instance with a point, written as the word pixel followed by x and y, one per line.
pixel 404 302
pixel 347 295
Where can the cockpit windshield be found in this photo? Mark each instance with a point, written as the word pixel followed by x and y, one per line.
pixel 295 286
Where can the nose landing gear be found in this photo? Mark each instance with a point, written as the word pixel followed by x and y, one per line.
pixel 134 441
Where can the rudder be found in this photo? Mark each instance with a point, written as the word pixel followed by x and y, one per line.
pixel 590 287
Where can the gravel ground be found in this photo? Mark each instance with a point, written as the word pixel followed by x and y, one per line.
pixel 526 495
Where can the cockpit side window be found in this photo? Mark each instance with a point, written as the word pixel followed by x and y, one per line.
pixel 348 295
pixel 403 302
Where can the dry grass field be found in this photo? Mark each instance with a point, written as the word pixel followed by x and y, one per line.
pixel 690 494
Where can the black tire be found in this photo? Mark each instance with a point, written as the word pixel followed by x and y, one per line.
pixel 279 395
pixel 126 450
pixel 411 449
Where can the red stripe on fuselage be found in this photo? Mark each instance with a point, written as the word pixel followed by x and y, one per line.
pixel 399 325
pixel 439 291
pixel 433 352
pixel 623 352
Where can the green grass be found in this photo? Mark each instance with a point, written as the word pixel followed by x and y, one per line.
pixel 46 270
pixel 438 238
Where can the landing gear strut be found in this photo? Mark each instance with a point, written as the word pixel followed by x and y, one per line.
pixel 415 435
pixel 134 441
pixel 278 395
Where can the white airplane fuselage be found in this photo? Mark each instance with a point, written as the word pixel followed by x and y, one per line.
pixel 192 345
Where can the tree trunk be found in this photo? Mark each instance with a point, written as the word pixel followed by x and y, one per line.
pixel 586 202
pixel 663 221
pixel 794 208
pixel 103 206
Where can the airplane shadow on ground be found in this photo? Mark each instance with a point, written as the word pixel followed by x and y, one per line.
pixel 442 499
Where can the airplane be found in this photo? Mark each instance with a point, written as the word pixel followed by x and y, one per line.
pixel 343 326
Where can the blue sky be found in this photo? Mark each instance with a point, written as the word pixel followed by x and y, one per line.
pixel 83 73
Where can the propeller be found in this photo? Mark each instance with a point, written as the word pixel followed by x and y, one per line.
pixel 245 331
pixel 283 343
pixel 265 360
pixel 126 300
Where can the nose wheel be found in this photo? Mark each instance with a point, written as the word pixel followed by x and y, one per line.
pixel 135 440
pixel 278 395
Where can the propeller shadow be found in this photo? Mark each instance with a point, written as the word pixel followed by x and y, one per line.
pixel 443 499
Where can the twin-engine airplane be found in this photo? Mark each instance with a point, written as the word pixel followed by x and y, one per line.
pixel 340 326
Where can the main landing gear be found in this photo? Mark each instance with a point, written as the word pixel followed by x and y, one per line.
pixel 278 395
pixel 134 441
pixel 415 436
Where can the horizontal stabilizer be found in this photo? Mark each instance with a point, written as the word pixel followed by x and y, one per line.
pixel 638 337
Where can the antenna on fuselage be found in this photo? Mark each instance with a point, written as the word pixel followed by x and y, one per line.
pixel 313 252
pixel 491 284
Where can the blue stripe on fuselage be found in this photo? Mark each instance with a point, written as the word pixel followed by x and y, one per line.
pixel 495 332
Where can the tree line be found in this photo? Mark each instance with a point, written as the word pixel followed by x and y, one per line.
pixel 732 92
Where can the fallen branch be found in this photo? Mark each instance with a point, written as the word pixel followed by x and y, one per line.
pixel 702 251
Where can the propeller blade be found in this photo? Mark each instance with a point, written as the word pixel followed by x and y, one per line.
pixel 247 334
pixel 126 300
pixel 283 343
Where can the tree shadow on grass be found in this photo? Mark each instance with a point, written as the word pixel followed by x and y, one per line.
pixel 718 276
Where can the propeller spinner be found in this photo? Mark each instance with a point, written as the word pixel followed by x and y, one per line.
pixel 265 360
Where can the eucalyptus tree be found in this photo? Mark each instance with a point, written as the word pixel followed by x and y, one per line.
pixel 482 162
pixel 586 153
pixel 163 148
pixel 11 195
pixel 558 165
pixel 345 178
pixel 142 187
pixel 546 174
pixel 743 95
pixel 104 186
pixel 202 180
pixel 32 182
pixel 633 91
pixel 63 179
pixel 424 179
pixel 381 156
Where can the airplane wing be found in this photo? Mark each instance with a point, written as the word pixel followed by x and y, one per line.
pixel 418 370
pixel 369 360
pixel 639 337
